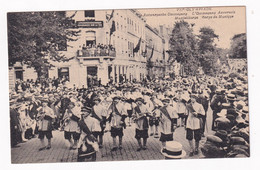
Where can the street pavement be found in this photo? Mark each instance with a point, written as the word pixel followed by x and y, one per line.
pixel 27 152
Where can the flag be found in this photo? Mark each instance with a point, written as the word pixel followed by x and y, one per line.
pixel 113 28
pixel 145 52
pixel 151 54
pixel 109 17
pixel 137 48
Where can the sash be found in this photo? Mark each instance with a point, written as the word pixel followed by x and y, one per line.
pixel 101 121
pixel 94 115
pixel 115 110
pixel 145 123
pixel 190 108
pixel 73 117
pixel 165 112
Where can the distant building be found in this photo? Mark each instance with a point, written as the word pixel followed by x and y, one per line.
pixel 237 65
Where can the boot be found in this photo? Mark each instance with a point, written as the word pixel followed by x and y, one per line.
pixel 120 142
pixel 191 148
pixel 100 141
pixel 144 143
pixel 114 145
pixel 42 145
pixel 140 145
pixel 196 148
pixel 49 144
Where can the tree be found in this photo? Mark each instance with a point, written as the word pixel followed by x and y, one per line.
pixel 209 55
pixel 238 46
pixel 35 38
pixel 184 48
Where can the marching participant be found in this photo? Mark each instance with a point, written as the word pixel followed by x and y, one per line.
pixel 181 108
pixel 168 121
pixel 70 123
pixel 193 127
pixel 140 113
pixel 15 125
pixel 99 113
pixel 116 117
pixel 153 104
pixel 45 116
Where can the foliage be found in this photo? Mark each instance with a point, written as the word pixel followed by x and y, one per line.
pixel 183 47
pixel 36 37
pixel 238 46
pixel 209 55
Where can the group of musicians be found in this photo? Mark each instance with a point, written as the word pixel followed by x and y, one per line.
pixel 157 107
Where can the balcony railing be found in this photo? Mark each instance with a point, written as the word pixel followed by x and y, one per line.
pixel 95 52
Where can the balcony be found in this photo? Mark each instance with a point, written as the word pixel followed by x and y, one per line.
pixel 96 53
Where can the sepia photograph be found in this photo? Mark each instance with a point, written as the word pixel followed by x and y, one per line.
pixel 128 84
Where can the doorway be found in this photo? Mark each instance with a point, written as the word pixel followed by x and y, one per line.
pixel 92 78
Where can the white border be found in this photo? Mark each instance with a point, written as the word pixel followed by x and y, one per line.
pixel 253 38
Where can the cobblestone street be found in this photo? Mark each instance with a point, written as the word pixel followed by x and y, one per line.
pixel 28 151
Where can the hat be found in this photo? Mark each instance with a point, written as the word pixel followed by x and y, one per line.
pixel 231 97
pixel 45 100
pixel 241 134
pixel 211 151
pixel 232 112
pixel 223 126
pixel 116 98
pixel 173 150
pixel 245 109
pixel 222 113
pixel 222 119
pixel 214 139
pixel 246 148
pixel 139 99
pixel 239 119
pixel 96 99
pixel 166 100
pixel 239 106
pixel 12 101
pixel 235 140
pixel 222 134
pixel 193 96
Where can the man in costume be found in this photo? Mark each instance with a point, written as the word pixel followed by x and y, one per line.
pixel 70 123
pixel 168 121
pixel 99 113
pixel 116 116
pixel 140 113
pixel 194 124
pixel 45 116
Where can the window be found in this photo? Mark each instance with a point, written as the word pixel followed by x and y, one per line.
pixel 62 45
pixel 63 73
pixel 90 38
pixel 90 13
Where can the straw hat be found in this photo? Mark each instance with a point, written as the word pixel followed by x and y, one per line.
pixel 173 150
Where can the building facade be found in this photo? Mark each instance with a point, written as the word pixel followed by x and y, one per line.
pixel 113 46
pixel 104 51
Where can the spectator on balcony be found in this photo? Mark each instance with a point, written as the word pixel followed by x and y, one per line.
pixel 98 50
pixel 84 47
pixel 92 52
